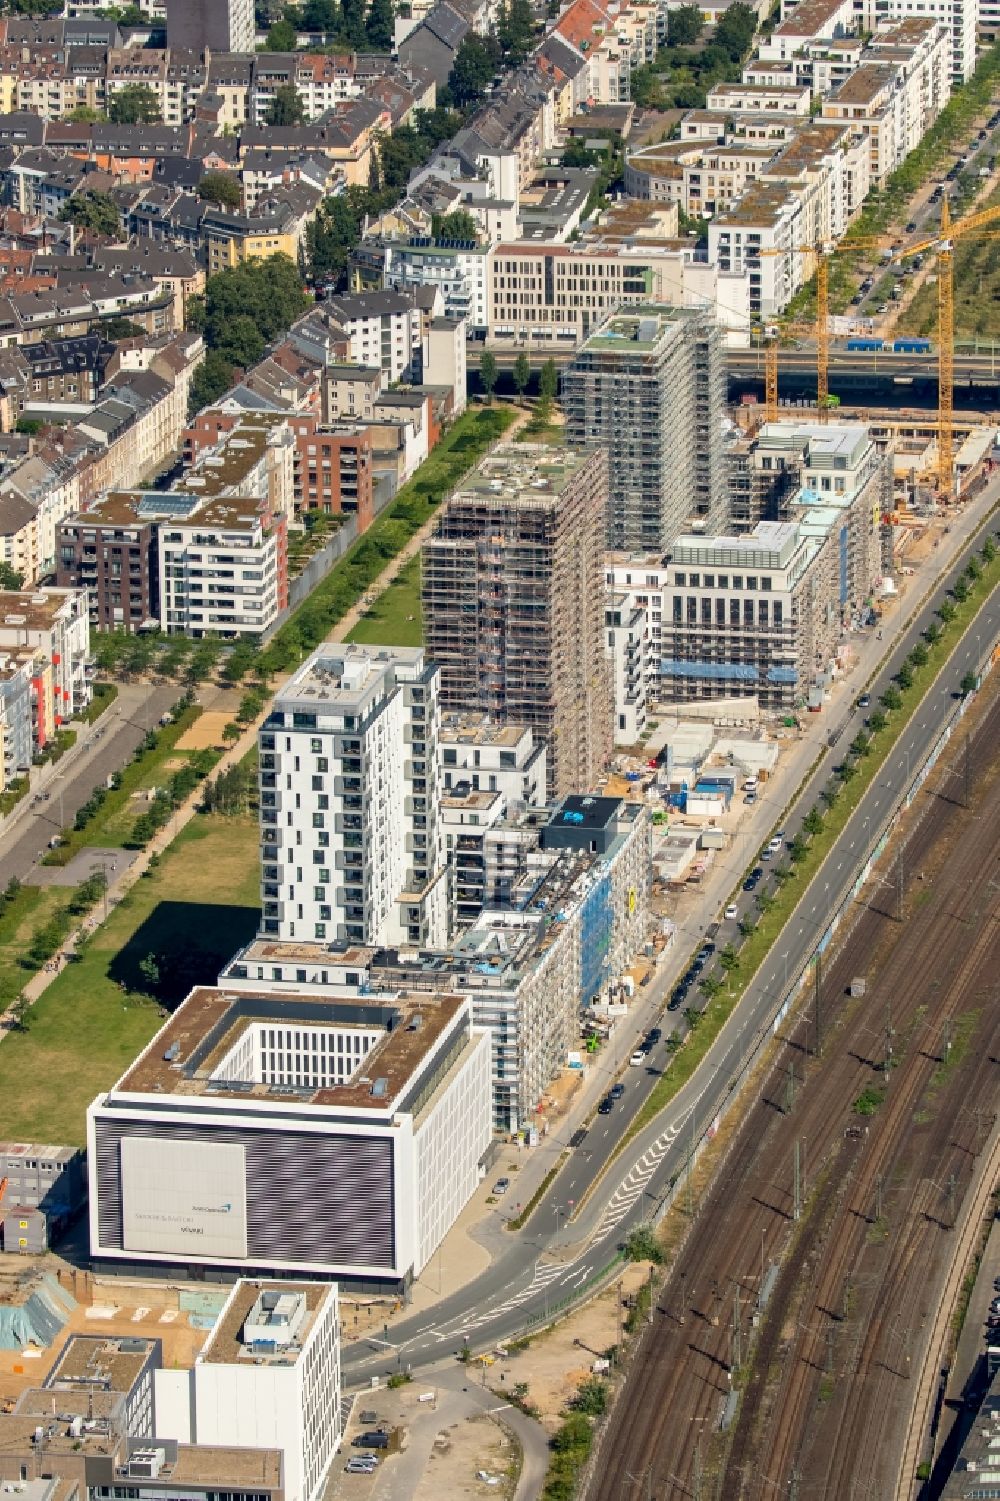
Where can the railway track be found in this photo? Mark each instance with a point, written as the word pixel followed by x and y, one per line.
pixel 828 1368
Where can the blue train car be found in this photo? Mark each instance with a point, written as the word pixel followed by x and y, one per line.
pixel 866 346
pixel 912 346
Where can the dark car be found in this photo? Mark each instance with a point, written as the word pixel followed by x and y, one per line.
pixel 617 1090
pixel 706 951
pixel 374 1440
pixel 653 1036
pixel 864 702
pixel 606 1106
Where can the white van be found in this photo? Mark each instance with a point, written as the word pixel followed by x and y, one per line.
pixel 750 785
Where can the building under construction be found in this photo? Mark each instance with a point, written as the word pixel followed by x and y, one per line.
pixel 513 598
pixel 650 387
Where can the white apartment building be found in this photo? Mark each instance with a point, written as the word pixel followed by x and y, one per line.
pixel 268 1130
pixel 222 568
pixel 52 627
pixel 491 757
pixel 958 17
pixel 755 98
pixel 350 842
pixel 828 165
pixel 459 271
pixel 805 22
pixel 385 330
pixel 629 651
pixel 641 584
pixel 702 178
pixel 268 1376
pixel 758 241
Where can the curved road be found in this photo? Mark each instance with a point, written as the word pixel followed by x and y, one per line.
pixel 550 1260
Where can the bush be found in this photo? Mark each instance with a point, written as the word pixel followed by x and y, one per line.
pixel 642 1245
pixel 591 1398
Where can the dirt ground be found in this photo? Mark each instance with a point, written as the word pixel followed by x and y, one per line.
pixel 104 1315
pixel 205 733
pixel 558 1360
pixel 463 1450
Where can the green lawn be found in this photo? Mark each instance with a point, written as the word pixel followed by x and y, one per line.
pixel 394 619
pixel 118 812
pixel 86 1028
pixel 30 909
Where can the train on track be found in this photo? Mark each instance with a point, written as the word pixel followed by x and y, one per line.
pixel 861 344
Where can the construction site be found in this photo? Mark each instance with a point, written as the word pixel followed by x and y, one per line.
pixel 513 599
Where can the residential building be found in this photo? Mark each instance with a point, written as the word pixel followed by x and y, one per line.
pixel 748 615
pixel 527 976
pixel 513 605
pixel 459 269
pixel 385 331
pixel 344 1133
pixel 16 741
pixel 268 1375
pixel 958 18
pixel 628 647
pixel 648 387
pixel 109 549
pixel 225 26
pixel 223 568
pixel 352 738
pixel 50 627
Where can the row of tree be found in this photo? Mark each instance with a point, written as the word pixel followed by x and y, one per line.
pixel 243 309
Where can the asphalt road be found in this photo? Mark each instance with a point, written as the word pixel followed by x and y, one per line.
pixel 520 1286
pixel 107 747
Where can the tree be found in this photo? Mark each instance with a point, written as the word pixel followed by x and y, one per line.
pixel 135 104
pixel 93 211
pixel 904 677
pixel 488 373
pixel 268 292
pixel 973 570
pixel 683 26
pixel 515 30
pixel 522 373
pixel 320 15
pixel 286 108
pixel 969 684
pixel 813 822
pixel 860 745
pixel 847 772
pixel 960 589
pixel 331 237
pixel 231 732
pixel 735 30
pixel 380 26
pixel 642 1245
pixel 211 379
pixel 222 190
pixel 458 225
pixel 10 578
pixel 988 551
pixel 577 153
pixel 591 1397
pixel 729 959
pixel 710 986
pixel 891 699
pixel 946 611
pixel 282 37
pixel 149 969
pixel 932 634
pixel 747 925
pixel 548 380
pixel 476 62
pixel 797 849
pixel 920 656
pixel 241 342
pixel 876 721
pixel 85 114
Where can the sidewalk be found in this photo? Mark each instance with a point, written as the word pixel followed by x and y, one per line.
pixel 479 1237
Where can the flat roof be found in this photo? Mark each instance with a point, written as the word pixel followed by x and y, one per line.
pixel 342 676
pixel 864 84
pixel 222 1465
pixel 480 729
pixel 225 1345
pixel 110 1363
pixel 34 609
pixel 211 1020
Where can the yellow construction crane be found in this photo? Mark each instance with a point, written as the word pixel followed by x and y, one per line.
pixel 942 244
pixel 821 252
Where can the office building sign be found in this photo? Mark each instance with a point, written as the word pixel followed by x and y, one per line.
pixel 184 1197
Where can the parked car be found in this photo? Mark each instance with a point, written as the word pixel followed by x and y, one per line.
pixel 864 702
pixel 637 1059
pixel 774 844
pixel 606 1106
pixel 501 1186
pixel 653 1036
pixel 617 1090
pixel 731 912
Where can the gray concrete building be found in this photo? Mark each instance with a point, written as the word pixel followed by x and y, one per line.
pixel 219 26
pixel 649 387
